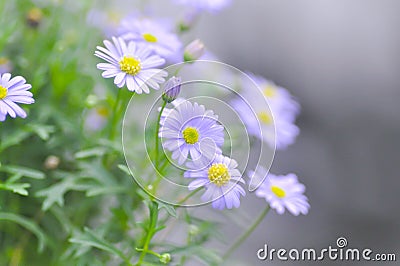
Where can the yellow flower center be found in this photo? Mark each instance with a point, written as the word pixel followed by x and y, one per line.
pixel 3 92
pixel 280 193
pixel 265 118
pixel 149 37
pixel 190 135
pixel 3 60
pixel 218 174
pixel 130 65
pixel 269 91
pixel 102 111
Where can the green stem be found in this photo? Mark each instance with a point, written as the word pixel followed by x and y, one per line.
pixel 159 176
pixel 153 209
pixel 247 233
pixel 156 135
pixel 188 197
pixel 115 117
pixel 163 221
pixel 157 144
pixel 149 252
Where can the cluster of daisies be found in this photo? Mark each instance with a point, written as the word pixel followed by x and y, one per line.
pixel 143 45
pixel 194 137
pixel 190 132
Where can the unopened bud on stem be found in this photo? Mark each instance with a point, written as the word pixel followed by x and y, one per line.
pixel 172 89
pixel 194 50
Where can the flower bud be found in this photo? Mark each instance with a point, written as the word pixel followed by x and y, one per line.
pixel 165 258
pixel 172 89
pixel 194 50
pixel 51 162
pixel 193 230
pixel 34 17
pixel 188 20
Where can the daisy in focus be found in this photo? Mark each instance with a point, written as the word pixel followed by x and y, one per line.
pixel 268 114
pixel 155 34
pixel 221 180
pixel 191 130
pixel 282 192
pixel 132 64
pixel 12 91
pixel 212 6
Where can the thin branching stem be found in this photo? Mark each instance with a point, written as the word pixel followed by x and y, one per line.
pixel 246 234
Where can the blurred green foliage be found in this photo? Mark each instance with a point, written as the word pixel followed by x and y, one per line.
pixel 66 197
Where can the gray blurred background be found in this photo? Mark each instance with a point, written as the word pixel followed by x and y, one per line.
pixel 341 59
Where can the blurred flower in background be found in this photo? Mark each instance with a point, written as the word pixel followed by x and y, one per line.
pixel 106 21
pixel 5 65
pixel 213 6
pixel 275 125
pixel 157 34
pixel 96 118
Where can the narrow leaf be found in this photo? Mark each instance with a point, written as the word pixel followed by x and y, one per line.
pixel 89 238
pixel 28 224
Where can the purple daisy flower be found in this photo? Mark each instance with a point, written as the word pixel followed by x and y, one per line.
pixel 221 180
pixel 13 91
pixel 275 123
pixel 283 191
pixel 212 6
pixel 190 129
pixel 132 64
pixel 155 34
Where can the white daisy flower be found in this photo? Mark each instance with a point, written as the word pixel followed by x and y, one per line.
pixel 12 91
pixel 132 64
pixel 282 192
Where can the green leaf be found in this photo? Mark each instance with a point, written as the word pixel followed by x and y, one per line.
pixel 124 169
pixel 28 224
pixel 43 131
pixel 94 152
pixel 97 171
pixel 206 255
pixel 18 188
pixel 101 190
pixel 169 208
pixel 13 139
pixel 55 193
pixel 23 171
pixel 90 238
